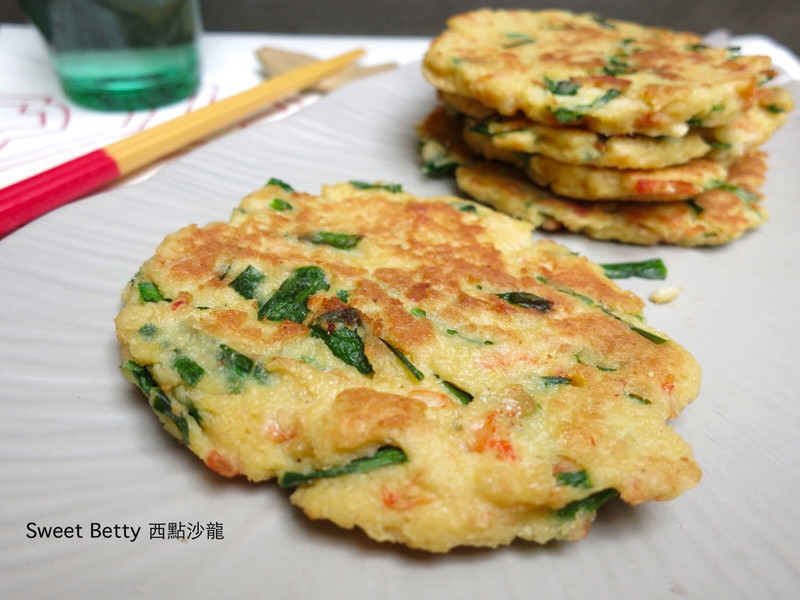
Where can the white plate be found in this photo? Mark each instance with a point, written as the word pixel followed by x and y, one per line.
pixel 78 445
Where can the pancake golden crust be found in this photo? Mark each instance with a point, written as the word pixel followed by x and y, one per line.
pixel 586 148
pixel 717 215
pixel 582 182
pixel 670 184
pixel 744 135
pixel 442 146
pixel 419 368
pixel 613 77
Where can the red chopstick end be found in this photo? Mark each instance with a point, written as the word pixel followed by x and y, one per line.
pixel 22 202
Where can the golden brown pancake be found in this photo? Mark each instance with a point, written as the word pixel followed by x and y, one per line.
pixel 581 147
pixel 578 146
pixel 717 215
pixel 585 182
pixel 744 135
pixel 613 77
pixel 419 368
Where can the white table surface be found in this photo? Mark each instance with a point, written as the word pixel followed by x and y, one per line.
pixel 40 127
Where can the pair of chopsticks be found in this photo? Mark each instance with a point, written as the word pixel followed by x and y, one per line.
pixel 26 200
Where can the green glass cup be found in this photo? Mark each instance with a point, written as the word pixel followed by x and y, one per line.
pixel 121 55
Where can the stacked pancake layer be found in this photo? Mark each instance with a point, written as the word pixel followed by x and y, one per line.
pixel 600 111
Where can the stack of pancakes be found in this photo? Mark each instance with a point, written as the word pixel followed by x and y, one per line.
pixel 609 128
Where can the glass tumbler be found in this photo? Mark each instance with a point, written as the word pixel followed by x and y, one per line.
pixel 119 55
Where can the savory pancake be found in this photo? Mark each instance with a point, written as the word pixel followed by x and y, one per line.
pixel 570 145
pixel 584 147
pixel 719 214
pixel 442 145
pixel 582 182
pixel 419 368
pixel 612 77
pixel 742 136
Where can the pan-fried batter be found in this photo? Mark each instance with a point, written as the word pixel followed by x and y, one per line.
pixel 719 214
pixel 419 368
pixel 613 77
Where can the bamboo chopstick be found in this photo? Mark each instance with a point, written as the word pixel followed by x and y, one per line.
pixel 26 200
